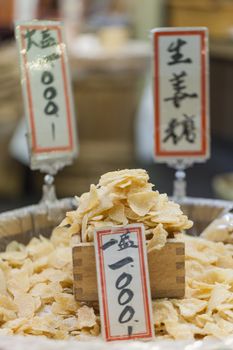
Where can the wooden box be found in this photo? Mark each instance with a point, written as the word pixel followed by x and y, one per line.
pixel 166 271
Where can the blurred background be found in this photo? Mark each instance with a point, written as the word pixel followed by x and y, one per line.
pixel 110 62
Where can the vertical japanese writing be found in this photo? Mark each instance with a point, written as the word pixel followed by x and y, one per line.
pixel 45 41
pixel 181 89
pixel 177 130
pixel 47 94
pixel 123 281
pixel 184 128
pixel 176 55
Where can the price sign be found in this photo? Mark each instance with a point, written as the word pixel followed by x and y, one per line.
pixel 47 94
pixel 123 283
pixel 181 94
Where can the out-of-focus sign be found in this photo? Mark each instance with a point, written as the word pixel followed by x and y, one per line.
pixel 181 94
pixel 47 94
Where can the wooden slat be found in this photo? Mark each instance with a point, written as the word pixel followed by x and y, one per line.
pixel 166 271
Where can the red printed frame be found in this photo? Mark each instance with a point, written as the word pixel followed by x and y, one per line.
pixel 204 151
pixel 149 332
pixel 35 148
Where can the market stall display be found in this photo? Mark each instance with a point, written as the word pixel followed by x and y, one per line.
pixel 41 271
pixel 121 261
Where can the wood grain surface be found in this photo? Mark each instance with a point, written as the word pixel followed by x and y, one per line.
pixel 166 271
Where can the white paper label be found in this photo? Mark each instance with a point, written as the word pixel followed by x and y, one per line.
pixel 47 90
pixel 123 283
pixel 181 94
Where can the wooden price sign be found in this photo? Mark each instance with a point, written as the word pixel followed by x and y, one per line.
pixel 181 95
pixel 47 94
pixel 123 283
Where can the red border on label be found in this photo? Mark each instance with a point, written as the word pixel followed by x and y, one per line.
pixel 149 332
pixel 35 147
pixel 157 142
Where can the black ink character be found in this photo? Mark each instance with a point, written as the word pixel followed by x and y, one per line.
pixel 179 87
pixel 177 57
pixel 110 243
pixel 53 127
pixel 121 263
pixel 125 242
pixel 46 41
pixel 176 130
pixel 30 42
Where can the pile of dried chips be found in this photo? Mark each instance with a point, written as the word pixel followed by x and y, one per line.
pixel 207 309
pixel 36 291
pixel 124 197
pixel 36 281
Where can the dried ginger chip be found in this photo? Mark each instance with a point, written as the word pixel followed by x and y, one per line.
pixel 130 214
pixel 64 304
pixel 39 248
pixel 25 304
pixel 40 264
pixel 86 317
pixel 164 310
pixel 219 294
pixel 220 230
pixel 190 307
pixel 7 303
pixel 46 291
pixel 142 202
pixel 70 324
pixel 15 324
pixel 42 325
pixel 224 324
pixel 95 330
pixel 89 201
pixel 62 235
pixel 7 309
pixel 120 177
pixel 214 330
pixel 202 319
pixel 49 275
pixel 225 311
pixel 60 257
pixel 6 314
pixel 15 259
pixel 15 246
pixel 18 281
pixel 159 238
pixel 218 275
pixel 117 214
pixel 179 330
